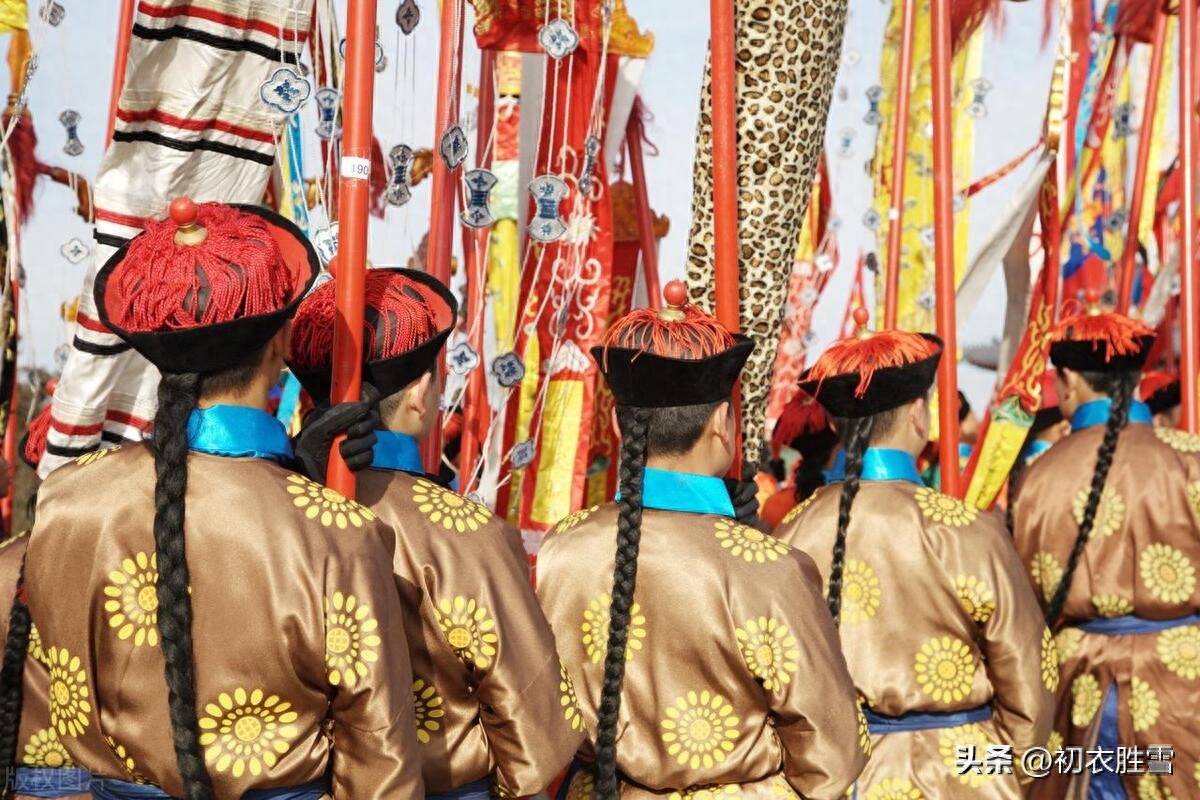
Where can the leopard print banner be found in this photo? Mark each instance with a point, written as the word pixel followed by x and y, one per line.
pixel 787 59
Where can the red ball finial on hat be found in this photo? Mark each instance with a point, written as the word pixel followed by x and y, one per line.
pixel 861 317
pixel 1091 299
pixel 675 295
pixel 184 213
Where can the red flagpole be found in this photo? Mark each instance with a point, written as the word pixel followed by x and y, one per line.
pixel 943 210
pixel 124 32
pixel 1141 172
pixel 899 149
pixel 1189 318
pixel 353 206
pixel 634 146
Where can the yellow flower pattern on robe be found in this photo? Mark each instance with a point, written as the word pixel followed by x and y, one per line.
pixel 246 731
pixel 1143 705
pixel 1046 572
pixel 595 629
pixel 45 749
pixel 451 511
pixel 795 513
pixel 70 698
pixel 1182 441
pixel 1151 788
pixel 970 735
pixel 708 792
pixel 1085 700
pixel 864 732
pixel 351 639
pixel 894 789
pixel 1067 641
pixel 428 707
pixel 469 629
pixel 1049 661
pixel 944 509
pixel 1167 573
pixel 976 597
pixel 131 599
pixel 574 518
pixel 700 729
pixel 769 650
pixel 945 669
pixel 1110 514
pixel 749 544
pixel 1179 649
pixel 569 700
pixel 583 786
pixel 1054 742
pixel 126 760
pixel 1112 605
pixel 1193 494
pixel 327 505
pixel 35 649
pixel 860 592
pixel 95 455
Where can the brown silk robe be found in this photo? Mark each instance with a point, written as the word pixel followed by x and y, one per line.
pixel 299 640
pixel 488 687
pixel 1140 559
pixel 937 616
pixel 733 674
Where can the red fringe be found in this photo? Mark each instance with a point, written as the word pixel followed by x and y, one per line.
pixel 237 271
pixel 38 435
pixel 862 357
pixel 1117 332
pixel 966 16
pixel 803 416
pixel 1135 19
pixel 22 148
pixel 694 337
pixel 1155 380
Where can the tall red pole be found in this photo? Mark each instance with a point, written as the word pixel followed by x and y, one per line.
pixel 1189 315
pixel 124 32
pixel 899 150
pixel 353 206
pixel 1141 171
pixel 943 227
pixel 634 140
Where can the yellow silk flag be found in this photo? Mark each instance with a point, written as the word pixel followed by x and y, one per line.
pixel 1163 108
pixel 14 16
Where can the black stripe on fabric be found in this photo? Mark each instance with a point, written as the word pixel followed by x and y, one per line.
pixel 67 452
pixel 110 239
pixel 150 137
pixel 272 54
pixel 99 349
pixel 113 438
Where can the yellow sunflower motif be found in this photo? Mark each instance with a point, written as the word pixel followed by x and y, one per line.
pixel 569 700
pixel 894 789
pixel 970 735
pixel 246 731
pixel 749 544
pixel 795 513
pixel 860 592
pixel 452 511
pixel 327 505
pixel 1193 494
pixel 95 455
pixel 1143 705
pixel 769 650
pixel 1054 742
pixel 944 509
pixel 1182 441
pixel 945 669
pixel 574 518
pixel 1049 661
pixel 583 786
pixel 781 788
pixel 1067 641
pixel 1046 573
pixel 126 760
pixel 700 729
pixel 428 706
pixel 45 749
pixel 976 597
pixel 469 629
pixel 351 639
pixel 1112 605
pixel 708 792
pixel 864 732
pixel 1110 514
pixel 1167 573
pixel 1179 649
pixel 35 649
pixel 1150 786
pixel 1196 772
pixel 70 698
pixel 131 599
pixel 1085 700
pixel 595 629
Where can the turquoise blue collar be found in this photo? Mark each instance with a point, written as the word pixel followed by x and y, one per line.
pixel 397 451
pixel 1035 449
pixel 838 471
pixel 1096 412
pixel 682 491
pixel 237 432
pixel 880 464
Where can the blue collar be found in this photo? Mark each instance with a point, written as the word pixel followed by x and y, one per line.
pixel 682 491
pixel 1096 412
pixel 880 464
pixel 838 471
pixel 237 432
pixel 397 451
pixel 1035 449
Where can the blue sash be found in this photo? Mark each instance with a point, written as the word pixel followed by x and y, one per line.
pixel 113 789
pixel 1131 625
pixel 50 781
pixel 1105 784
pixel 479 790
pixel 879 725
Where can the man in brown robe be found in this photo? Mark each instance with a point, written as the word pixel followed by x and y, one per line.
pixel 1108 524
pixel 492 705
pixel 942 634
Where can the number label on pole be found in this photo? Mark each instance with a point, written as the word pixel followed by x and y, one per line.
pixel 357 169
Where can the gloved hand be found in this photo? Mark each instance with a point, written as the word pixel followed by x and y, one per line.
pixel 744 494
pixel 357 420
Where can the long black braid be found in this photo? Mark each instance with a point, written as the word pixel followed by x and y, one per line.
pixel 856 434
pixel 634 424
pixel 12 674
pixel 1121 391
pixel 177 395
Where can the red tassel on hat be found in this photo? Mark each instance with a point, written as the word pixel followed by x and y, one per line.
pixel 1155 381
pixel 867 352
pixel 679 330
pixel 803 416
pixel 1121 335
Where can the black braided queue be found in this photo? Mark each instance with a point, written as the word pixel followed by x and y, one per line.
pixel 12 675
pixel 857 436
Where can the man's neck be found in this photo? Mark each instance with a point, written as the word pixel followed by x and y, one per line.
pixel 685 463
pixel 250 399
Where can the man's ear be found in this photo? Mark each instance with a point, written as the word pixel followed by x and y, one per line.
pixel 919 417
pixel 721 424
pixel 421 394
pixel 281 343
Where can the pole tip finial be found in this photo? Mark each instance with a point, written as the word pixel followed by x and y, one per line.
pixel 1091 299
pixel 184 213
pixel 675 295
pixel 861 317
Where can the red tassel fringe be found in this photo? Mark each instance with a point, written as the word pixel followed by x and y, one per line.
pixel 38 435
pixel 1118 333
pixel 22 148
pixel 695 337
pixel 803 416
pixel 863 356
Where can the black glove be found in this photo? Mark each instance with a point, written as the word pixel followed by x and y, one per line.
pixel 744 494
pixel 357 420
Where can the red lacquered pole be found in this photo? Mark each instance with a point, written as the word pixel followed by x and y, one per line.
pixel 899 150
pixel 1189 317
pixel 124 32
pixel 634 140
